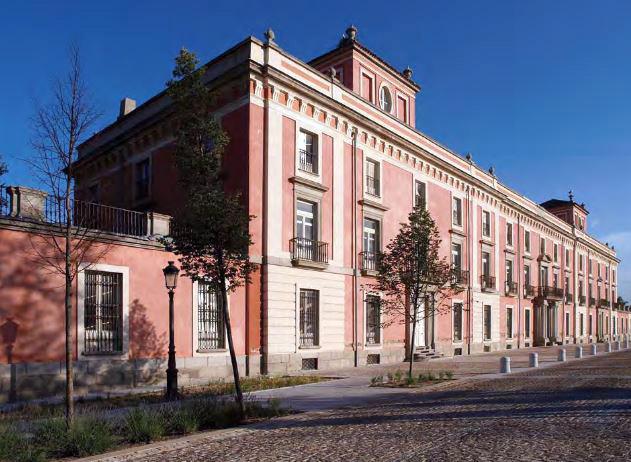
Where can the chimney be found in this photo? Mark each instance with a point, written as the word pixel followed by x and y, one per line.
pixel 127 105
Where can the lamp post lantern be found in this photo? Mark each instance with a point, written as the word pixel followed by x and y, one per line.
pixel 170 280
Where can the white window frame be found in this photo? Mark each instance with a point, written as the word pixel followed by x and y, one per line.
pixel 527 248
pixel 406 98
pixel 316 131
pixel 528 333
pixel 416 180
pixel 490 338
pixel 363 72
pixel 379 176
pixel 462 318
pixel 367 345
pixel 512 333
pixel 385 86
pixel 195 306
pixel 510 244
pixel 316 152
pixel 320 289
pixel 486 213
pixel 454 199
pixel 124 271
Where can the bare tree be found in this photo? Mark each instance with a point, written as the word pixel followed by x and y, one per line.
pixel 412 276
pixel 59 126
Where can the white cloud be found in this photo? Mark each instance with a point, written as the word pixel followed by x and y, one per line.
pixel 622 242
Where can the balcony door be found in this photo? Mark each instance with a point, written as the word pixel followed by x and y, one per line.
pixel 306 228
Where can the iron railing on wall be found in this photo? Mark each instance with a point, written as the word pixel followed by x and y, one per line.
pixel 307 161
pixel 308 249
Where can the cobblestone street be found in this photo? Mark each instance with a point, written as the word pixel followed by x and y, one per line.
pixel 580 410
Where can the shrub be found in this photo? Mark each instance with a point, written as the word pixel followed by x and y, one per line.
pixel 142 426
pixel 441 375
pixel 430 377
pixel 376 380
pixel 397 376
pixel 410 380
pixel 14 446
pixel 182 420
pixel 87 436
pixel 449 375
pixel 421 377
pixel 390 376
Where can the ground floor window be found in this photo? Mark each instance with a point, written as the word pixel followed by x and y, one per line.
pixel 487 322
pixel 509 322
pixel 373 320
pixel 567 324
pixel 527 323
pixel 211 332
pixel 589 326
pixel 581 325
pixel 309 317
pixel 103 312
pixel 457 322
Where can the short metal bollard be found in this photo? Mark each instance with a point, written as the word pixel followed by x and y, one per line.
pixel 534 359
pixel 505 365
pixel 608 347
pixel 579 352
pixel 594 349
pixel 619 345
pixel 562 355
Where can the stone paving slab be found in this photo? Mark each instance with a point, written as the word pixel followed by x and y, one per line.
pixel 533 416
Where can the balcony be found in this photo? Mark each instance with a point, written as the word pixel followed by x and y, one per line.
pixel 529 291
pixel 369 262
pixel 511 288
pixel 581 300
pixel 568 298
pixel 307 161
pixel 487 283
pixel 592 301
pixel 372 186
pixel 459 277
pixel 551 293
pixel 310 253
pixel 603 302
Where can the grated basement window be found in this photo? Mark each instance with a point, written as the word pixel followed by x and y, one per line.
pixel 373 359
pixel 457 351
pixel 310 364
pixel 509 347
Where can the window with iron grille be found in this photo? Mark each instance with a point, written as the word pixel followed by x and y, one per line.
pixel 527 323
pixel 457 322
pixel 487 322
pixel 308 152
pixel 373 320
pixel 509 322
pixel 309 317
pixel 211 332
pixel 103 312
pixel 373 186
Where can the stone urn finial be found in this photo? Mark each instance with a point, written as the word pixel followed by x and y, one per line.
pixel 571 195
pixel 351 33
pixel 469 157
pixel 492 170
pixel 407 73
pixel 270 36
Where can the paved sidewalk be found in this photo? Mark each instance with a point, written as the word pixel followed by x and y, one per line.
pixel 579 410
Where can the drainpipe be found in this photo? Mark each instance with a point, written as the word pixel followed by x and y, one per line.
pixel 470 265
pixel 519 282
pixel 354 251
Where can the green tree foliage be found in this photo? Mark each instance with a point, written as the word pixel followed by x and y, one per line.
pixel 412 274
pixel 210 233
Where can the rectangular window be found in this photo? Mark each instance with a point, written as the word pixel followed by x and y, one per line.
pixel 143 178
pixel 589 326
pixel 555 253
pixel 457 322
pixel 509 234
pixel 580 262
pixel 527 241
pixel 420 194
pixel 567 257
pixel 307 152
pixel 555 279
pixel 509 322
pixel 527 323
pixel 309 317
pixel 486 223
pixel 581 325
pixel 456 211
pixel 371 244
pixel 486 264
pixel 487 322
pixel 373 320
pixel 211 332
pixel 542 246
pixel 402 109
pixel 305 243
pixel 367 87
pixel 509 271
pixel 372 178
pixel 613 276
pixel 567 324
pixel 527 275
pixel 456 256
pixel 589 263
pixel 103 312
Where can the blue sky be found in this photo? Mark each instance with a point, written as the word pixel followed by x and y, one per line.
pixel 539 89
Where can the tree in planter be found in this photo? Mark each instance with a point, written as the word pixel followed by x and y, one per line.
pixel 210 234
pixel 58 129
pixel 412 272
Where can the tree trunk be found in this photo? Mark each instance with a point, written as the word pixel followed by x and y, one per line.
pixel 233 356
pixel 412 338
pixel 68 311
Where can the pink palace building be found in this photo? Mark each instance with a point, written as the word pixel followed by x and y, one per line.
pixel 328 159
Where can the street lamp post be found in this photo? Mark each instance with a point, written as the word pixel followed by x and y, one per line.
pixel 170 279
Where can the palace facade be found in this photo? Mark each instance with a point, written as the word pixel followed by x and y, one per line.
pixel 328 160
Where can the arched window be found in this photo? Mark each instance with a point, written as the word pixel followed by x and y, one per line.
pixel 385 99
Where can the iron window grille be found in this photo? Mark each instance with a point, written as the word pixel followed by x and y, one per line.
pixel 103 313
pixel 372 185
pixel 211 331
pixel 309 318
pixel 457 322
pixel 307 161
pixel 373 320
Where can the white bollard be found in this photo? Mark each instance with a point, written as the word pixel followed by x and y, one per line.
pixel 608 347
pixel 619 345
pixel 505 365
pixel 579 352
pixel 562 355
pixel 594 349
pixel 534 359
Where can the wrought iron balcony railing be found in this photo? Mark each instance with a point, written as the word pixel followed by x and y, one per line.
pixel 307 161
pixel 460 276
pixel 568 297
pixel 511 288
pixel 529 290
pixel 603 302
pixel 487 282
pixel 309 250
pixel 369 261
pixel 551 292
pixel 581 300
pixel 592 301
